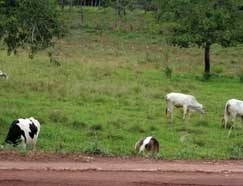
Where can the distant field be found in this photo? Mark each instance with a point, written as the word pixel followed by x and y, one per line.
pixel 107 90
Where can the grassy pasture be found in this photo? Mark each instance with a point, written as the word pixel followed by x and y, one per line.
pixel 109 90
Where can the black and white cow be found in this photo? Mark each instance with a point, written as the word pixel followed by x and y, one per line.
pixel 3 75
pixel 23 132
pixel 147 145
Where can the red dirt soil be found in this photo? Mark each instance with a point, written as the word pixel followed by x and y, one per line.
pixel 41 169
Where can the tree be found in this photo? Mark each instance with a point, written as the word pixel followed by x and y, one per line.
pixel 119 5
pixel 203 23
pixel 31 24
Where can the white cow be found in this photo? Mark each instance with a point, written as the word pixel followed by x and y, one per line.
pixel 233 108
pixel 147 145
pixel 23 132
pixel 187 102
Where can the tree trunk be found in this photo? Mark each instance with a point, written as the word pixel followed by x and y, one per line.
pixel 158 7
pixel 124 11
pixel 63 3
pixel 207 59
pixel 118 8
pixel 70 4
pixel 81 13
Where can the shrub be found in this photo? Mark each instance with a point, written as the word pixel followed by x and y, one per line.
pixel 206 76
pixel 79 124
pixel 168 72
pixel 241 77
pixel 96 127
pixel 95 149
pixel 236 152
pixel 58 117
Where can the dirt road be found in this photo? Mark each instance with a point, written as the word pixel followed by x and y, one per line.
pixel 94 171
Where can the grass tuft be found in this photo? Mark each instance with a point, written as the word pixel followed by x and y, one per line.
pixel 58 117
pixel 96 127
pixel 236 152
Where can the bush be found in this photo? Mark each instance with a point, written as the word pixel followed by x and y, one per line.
pixel 236 152
pixel 95 149
pixel 206 76
pixel 168 72
pixel 241 77
pixel 58 117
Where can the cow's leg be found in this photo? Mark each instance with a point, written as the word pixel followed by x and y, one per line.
pixel 169 110
pixel 171 113
pixel 189 113
pixel 226 120
pixel 241 120
pixel 184 111
pixel 233 120
pixel 33 145
pixel 23 145
pixel 233 123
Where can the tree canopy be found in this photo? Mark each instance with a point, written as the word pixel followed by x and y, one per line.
pixel 31 24
pixel 203 23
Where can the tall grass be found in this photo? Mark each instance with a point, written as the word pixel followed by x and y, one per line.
pixel 108 91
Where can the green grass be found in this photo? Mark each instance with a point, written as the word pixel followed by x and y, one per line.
pixel 109 91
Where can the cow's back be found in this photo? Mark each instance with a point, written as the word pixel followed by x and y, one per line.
pixel 179 98
pixel 23 130
pixel 235 106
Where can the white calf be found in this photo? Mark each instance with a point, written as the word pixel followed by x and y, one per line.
pixel 23 132
pixel 187 102
pixel 233 108
pixel 147 145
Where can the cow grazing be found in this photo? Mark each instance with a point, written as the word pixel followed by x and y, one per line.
pixel 187 102
pixel 233 108
pixel 147 145
pixel 3 75
pixel 23 132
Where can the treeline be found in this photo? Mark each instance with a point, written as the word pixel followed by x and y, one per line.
pixel 143 4
pixel 81 2
pixel 123 4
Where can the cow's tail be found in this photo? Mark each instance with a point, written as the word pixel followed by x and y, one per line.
pixel 166 108
pixel 226 114
pixel 227 109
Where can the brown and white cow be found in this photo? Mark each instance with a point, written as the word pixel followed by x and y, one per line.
pixel 147 145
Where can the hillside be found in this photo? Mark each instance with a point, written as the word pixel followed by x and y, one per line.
pixel 106 87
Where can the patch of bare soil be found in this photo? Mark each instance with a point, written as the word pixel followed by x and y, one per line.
pixel 42 169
